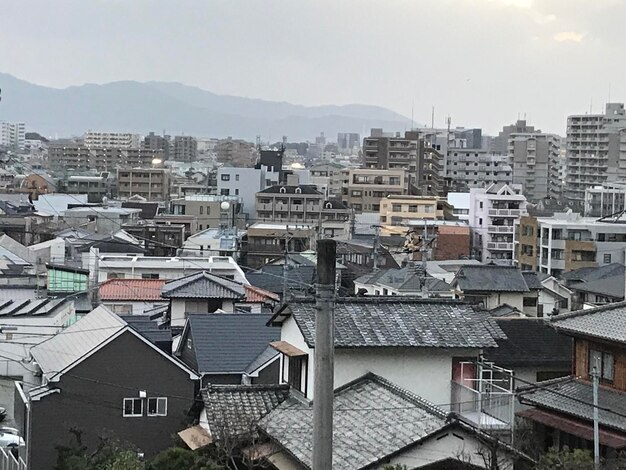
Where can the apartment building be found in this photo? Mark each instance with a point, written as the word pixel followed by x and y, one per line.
pixel 364 188
pixel 122 140
pixel 492 216
pixel 568 241
pixel 422 162
pixel 348 140
pixel 211 211
pixel 399 210
pixel 153 184
pixel 184 149
pixel 268 241
pixel 596 151
pixel 245 183
pixel 327 176
pixel 302 204
pixel 500 144
pixel 236 152
pixel 95 187
pixel 532 156
pixel 12 135
pixel 158 143
pixel 70 158
pixel 476 168
pixel 605 200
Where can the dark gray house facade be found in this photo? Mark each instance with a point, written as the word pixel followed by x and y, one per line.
pixel 103 378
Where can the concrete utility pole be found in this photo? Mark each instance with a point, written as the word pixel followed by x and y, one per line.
pixel 324 356
pixel 595 376
pixel 375 251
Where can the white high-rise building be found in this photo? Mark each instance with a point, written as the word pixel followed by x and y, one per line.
pixel 493 213
pixel 532 156
pixel 12 135
pixel 596 150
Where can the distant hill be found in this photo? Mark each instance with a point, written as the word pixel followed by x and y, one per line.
pixel 174 107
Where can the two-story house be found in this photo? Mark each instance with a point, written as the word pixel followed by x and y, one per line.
pixel 102 377
pixel 563 408
pixel 429 347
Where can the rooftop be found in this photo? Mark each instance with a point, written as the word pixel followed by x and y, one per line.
pixel 385 418
pixel 388 321
pixel 490 278
pixel 203 285
pixel 227 343
pixel 132 289
pixel 607 322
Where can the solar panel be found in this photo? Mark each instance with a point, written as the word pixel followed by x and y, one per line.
pixel 14 307
pixel 49 307
pixel 31 307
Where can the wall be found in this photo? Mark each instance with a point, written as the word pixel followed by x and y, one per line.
pixel 452 243
pixel 573 245
pixel 91 399
pixel 514 299
pixel 581 363
pixel 528 261
pixel 180 309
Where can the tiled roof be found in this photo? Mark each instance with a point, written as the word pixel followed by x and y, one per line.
pixel 256 294
pixel 490 278
pixel 270 278
pixel 575 398
pixel 532 279
pixel 531 342
pixel 203 285
pixel 372 322
pixel 407 279
pixel 229 343
pixel 505 310
pixel 304 189
pixel 372 420
pixel 132 289
pixel 234 410
pixel 607 322
pixel 594 273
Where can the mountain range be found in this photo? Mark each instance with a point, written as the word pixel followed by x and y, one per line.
pixel 176 108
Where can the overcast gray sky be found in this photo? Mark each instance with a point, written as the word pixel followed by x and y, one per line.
pixel 481 61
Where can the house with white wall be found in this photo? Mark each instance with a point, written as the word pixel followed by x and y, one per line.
pixel 420 345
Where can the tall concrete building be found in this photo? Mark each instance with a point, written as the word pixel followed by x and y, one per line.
pixel 12 135
pixel 596 151
pixel 184 149
pixel 475 168
pixel 421 161
pixel 492 216
pixel 500 144
pixel 245 183
pixel 71 157
pixel 533 155
pixel 348 140
pixel 120 140
pixel 363 188
pixel 236 152
pixel 153 184
pixel 157 142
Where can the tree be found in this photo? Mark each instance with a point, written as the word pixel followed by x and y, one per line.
pixel 176 458
pixel 565 459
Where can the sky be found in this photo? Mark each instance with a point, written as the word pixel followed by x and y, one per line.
pixel 483 62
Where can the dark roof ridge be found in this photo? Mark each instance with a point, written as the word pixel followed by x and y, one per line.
pixel 245 388
pixel 387 299
pixel 583 312
pixel 392 387
pixel 540 385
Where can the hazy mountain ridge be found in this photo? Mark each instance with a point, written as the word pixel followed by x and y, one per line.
pixel 177 108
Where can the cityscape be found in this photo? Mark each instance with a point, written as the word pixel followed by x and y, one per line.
pixel 197 280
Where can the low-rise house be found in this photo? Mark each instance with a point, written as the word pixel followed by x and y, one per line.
pixel 410 281
pixel 493 285
pixel 89 384
pixel 293 279
pixel 230 349
pixel 532 349
pixel 132 296
pixel 394 427
pixel 201 292
pixel 214 242
pixel 26 320
pixel 595 285
pixel 562 409
pixel 404 339
pixel 157 267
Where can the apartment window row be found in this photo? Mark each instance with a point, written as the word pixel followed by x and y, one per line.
pixel 134 407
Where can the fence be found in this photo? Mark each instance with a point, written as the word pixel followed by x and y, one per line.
pixel 9 462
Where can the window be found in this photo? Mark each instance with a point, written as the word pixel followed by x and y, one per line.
pixel 607 258
pixel 133 407
pixel 236 177
pixel 189 343
pixel 413 208
pixel 604 362
pixel 530 301
pixel 396 208
pixel 201 210
pixel 225 192
pixel 208 208
pixel 295 372
pixel 226 177
pixel 150 276
pixel 157 406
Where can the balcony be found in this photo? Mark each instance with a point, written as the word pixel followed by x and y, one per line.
pixel 499 246
pixel 297 208
pixel 505 212
pixel 500 229
pixel 487 402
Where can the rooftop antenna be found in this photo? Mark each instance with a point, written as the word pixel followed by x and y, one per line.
pixel 591 105
pixel 412 108
pixel 609 92
pixel 432 118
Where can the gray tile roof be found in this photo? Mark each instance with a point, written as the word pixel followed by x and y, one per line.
pixel 490 278
pixel 270 278
pixel 575 398
pixel 531 342
pixel 532 279
pixel 505 310
pixel 399 322
pixel 234 410
pixel 406 279
pixel 203 285
pixel 228 342
pixel 372 420
pixel 607 322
